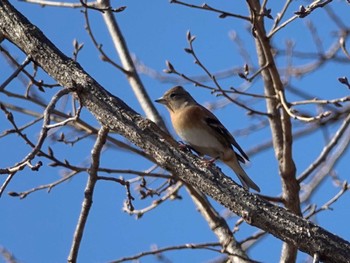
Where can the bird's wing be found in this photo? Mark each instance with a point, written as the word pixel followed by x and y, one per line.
pixel 215 124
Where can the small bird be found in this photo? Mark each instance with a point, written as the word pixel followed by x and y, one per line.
pixel 203 132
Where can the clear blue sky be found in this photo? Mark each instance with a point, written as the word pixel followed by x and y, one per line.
pixel 40 227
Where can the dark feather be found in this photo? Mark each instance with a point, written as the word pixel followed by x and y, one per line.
pixel 215 124
pixel 240 158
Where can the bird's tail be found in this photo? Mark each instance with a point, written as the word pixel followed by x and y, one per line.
pixel 242 175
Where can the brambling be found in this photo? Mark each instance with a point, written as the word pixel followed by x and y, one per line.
pixel 203 132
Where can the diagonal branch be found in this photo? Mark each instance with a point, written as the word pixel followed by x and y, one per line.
pixel 89 191
pixel 326 150
pixel 128 64
pixel 117 116
pixel 223 232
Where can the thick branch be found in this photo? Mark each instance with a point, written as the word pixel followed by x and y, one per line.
pixel 219 226
pixel 116 115
pixel 221 229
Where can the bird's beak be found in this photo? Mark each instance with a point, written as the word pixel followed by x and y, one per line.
pixel 161 100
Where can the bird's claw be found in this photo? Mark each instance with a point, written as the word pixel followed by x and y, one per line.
pixel 209 162
pixel 185 147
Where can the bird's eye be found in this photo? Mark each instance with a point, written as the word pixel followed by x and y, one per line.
pixel 173 95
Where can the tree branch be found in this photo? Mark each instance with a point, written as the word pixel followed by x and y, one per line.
pixel 89 191
pixel 117 116
pixel 281 126
pixel 128 64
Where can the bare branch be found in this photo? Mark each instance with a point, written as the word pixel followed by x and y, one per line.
pixel 42 187
pixel 140 212
pixel 89 191
pixel 206 7
pixel 327 205
pixel 98 46
pixel 157 251
pixel 190 50
pixel 301 13
pixel 280 122
pixel 128 64
pixel 115 114
pixel 292 113
pixel 326 150
pixel 14 74
pixel 7 255
pixel 220 228
pixel 44 3
pixel 336 102
pixel 342 42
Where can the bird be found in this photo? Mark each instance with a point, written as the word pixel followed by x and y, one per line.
pixel 204 133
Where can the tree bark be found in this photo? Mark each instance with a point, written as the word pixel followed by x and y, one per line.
pixel 116 115
pixel 280 123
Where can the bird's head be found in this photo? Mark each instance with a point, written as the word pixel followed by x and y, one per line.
pixel 176 98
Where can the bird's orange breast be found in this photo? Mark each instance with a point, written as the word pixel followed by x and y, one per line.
pixel 186 119
pixel 191 127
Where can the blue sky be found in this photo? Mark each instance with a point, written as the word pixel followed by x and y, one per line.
pixel 40 227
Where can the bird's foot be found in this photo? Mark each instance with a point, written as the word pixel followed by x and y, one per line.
pixel 185 147
pixel 209 162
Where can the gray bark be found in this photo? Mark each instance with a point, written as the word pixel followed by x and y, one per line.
pixel 116 115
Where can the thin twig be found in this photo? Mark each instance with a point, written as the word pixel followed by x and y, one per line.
pixel 49 187
pixel 191 51
pixel 79 124
pixel 326 150
pixel 336 102
pixel 342 42
pixel 89 191
pixel 156 203
pixel 179 247
pixel 303 12
pixel 43 134
pixel 206 7
pixel 327 205
pixel 13 62
pixel 14 74
pixel 292 113
pixel 326 168
pixel 134 172
pixel 133 77
pixel 98 46
pixel 281 14
pixel 248 242
pixel 44 3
